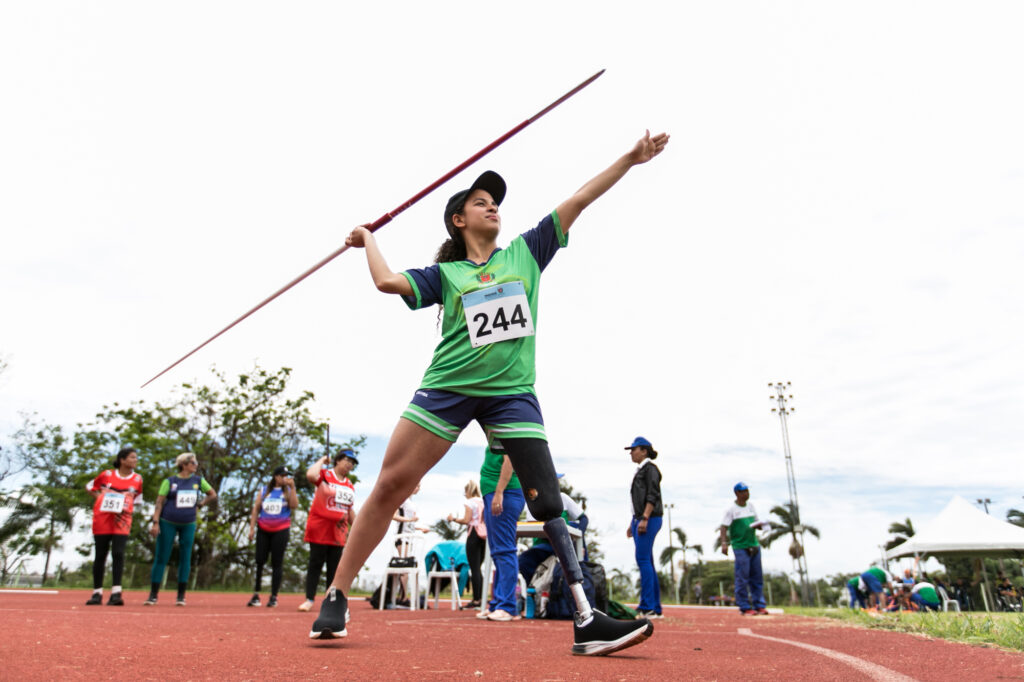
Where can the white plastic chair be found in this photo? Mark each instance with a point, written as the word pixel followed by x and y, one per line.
pixel 946 601
pixel 409 546
pixel 440 574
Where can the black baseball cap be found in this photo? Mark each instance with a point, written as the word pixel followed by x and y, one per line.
pixel 282 471
pixel 489 181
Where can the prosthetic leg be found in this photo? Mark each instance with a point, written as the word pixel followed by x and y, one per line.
pixel 595 633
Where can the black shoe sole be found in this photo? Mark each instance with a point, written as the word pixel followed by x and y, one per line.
pixel 605 648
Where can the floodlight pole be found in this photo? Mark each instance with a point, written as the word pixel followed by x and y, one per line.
pixel 671 554
pixel 784 410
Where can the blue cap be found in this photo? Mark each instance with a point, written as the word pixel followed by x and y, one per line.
pixel 739 486
pixel 346 452
pixel 559 475
pixel 637 442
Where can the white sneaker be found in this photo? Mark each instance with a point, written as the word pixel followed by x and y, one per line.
pixel 501 616
pixel 483 615
pixel 306 605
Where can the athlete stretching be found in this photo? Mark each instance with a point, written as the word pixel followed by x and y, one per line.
pixel 483 369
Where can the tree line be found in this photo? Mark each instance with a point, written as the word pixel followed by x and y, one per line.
pixel 239 428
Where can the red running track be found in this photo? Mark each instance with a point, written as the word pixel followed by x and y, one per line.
pixel 46 637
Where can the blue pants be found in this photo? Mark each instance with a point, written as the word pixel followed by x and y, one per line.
pixel 856 598
pixel 747 577
pixel 650 589
pixel 922 604
pixel 165 543
pixel 501 540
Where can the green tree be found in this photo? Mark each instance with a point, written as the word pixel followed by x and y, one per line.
pixel 787 523
pixel 1016 517
pixel 48 505
pixel 901 532
pixel 240 430
pixel 668 555
pixel 448 531
pixel 621 585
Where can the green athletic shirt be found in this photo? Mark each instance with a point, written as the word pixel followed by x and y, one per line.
pixel 927 592
pixel 490 472
pixel 882 575
pixel 739 521
pixel 165 487
pixel 504 367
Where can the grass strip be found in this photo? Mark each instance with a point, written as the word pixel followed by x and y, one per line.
pixel 1004 630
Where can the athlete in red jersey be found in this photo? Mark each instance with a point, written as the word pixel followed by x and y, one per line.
pixel 117 491
pixel 330 516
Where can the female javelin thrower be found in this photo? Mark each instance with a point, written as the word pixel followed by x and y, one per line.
pixel 483 369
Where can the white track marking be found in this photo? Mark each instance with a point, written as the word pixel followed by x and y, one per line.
pixel 872 670
pixel 29 592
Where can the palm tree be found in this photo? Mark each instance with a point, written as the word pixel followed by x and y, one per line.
pixel 668 554
pixel 901 532
pixel 447 531
pixel 1016 517
pixel 789 520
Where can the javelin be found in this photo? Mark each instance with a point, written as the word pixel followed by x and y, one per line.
pixel 387 217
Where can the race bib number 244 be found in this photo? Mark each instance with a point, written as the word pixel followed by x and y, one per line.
pixel 497 313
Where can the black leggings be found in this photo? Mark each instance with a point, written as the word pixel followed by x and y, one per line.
pixel 274 545
pixel 104 543
pixel 475 555
pixel 318 555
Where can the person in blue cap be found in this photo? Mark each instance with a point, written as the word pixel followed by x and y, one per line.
pixel 645 493
pixel 739 526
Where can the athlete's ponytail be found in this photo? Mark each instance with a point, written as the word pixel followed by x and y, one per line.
pixel 452 250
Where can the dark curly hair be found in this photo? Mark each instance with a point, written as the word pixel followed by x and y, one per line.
pixel 122 455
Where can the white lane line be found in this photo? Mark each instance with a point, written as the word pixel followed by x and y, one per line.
pixel 872 670
pixel 29 592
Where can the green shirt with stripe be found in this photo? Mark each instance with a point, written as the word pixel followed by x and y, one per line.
pixel 739 520
pixel 503 368
pixel 490 472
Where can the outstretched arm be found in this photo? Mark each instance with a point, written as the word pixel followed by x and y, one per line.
pixel 643 151
pixel 385 280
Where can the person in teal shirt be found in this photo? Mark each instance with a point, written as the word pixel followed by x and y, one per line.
pixel 175 516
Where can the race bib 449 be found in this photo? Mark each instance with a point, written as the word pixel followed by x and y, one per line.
pixel 497 313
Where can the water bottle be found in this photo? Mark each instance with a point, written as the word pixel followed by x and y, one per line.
pixel 530 595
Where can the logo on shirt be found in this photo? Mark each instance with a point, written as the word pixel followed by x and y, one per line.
pixel 485 277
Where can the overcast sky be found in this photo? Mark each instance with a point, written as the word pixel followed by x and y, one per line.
pixel 840 207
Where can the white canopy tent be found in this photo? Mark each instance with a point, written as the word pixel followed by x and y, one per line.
pixel 961 529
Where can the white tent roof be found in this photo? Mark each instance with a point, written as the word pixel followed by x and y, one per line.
pixel 962 528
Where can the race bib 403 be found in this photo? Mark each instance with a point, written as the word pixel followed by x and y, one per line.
pixel 497 313
pixel 273 505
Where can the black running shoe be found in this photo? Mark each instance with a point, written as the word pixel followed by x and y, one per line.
pixel 151 601
pixel 601 634
pixel 272 602
pixel 255 601
pixel 331 622
pixel 115 599
pixel 95 600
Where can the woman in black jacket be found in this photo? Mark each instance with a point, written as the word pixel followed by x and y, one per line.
pixel 647 511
